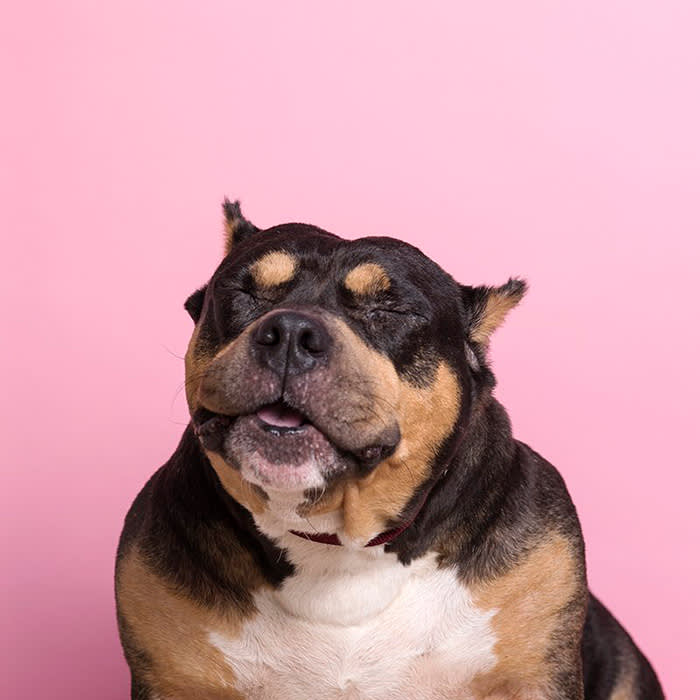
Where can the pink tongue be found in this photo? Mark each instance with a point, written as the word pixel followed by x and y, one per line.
pixel 280 416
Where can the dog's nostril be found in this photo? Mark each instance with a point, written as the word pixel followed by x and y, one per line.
pixel 268 335
pixel 311 341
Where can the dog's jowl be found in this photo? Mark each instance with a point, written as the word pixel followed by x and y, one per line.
pixel 348 514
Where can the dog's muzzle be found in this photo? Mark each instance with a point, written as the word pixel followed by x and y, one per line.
pixel 289 393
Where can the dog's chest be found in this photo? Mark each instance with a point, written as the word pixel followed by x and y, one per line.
pixel 366 629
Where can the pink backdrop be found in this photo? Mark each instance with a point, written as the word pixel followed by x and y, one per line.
pixel 559 141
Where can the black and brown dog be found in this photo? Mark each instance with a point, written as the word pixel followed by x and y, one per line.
pixel 348 514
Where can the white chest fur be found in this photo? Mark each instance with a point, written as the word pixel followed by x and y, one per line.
pixel 356 624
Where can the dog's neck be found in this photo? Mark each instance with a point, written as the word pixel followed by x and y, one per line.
pixel 467 503
pixel 339 585
pixel 380 539
pixel 463 504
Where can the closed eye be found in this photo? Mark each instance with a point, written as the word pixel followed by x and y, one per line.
pixel 381 305
pixel 253 295
pixel 383 310
pixel 377 312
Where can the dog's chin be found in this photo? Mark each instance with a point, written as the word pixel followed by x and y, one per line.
pixel 279 453
pixel 292 466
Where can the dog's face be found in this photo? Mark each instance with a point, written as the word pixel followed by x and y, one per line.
pixel 325 376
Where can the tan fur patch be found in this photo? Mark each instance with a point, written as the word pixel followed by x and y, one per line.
pixel 273 269
pixel 426 416
pixel 368 278
pixel 195 364
pixel 244 492
pixel 173 631
pixel 497 307
pixel 626 686
pixel 495 304
pixel 529 601
pixel 625 690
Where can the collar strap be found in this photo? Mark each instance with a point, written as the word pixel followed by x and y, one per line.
pixel 381 538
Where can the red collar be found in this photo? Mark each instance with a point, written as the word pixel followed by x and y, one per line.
pixel 381 538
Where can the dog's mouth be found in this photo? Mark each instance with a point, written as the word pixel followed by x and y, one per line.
pixel 277 419
pixel 276 446
pixel 279 446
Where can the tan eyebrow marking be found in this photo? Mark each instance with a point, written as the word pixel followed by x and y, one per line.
pixel 273 269
pixel 367 278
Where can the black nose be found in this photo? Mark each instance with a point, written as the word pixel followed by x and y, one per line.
pixel 291 342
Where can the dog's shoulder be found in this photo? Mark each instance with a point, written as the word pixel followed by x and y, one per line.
pixel 187 562
pixel 518 548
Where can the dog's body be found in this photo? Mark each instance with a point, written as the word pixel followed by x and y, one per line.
pixel 348 514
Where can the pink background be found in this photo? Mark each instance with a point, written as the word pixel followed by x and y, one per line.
pixel 556 140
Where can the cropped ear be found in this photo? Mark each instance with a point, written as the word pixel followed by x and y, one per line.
pixel 195 303
pixel 236 225
pixel 487 307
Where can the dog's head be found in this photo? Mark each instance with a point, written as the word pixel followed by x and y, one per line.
pixel 329 379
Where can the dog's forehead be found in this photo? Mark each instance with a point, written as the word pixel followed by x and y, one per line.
pixel 299 251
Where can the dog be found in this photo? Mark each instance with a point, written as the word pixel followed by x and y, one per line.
pixel 348 514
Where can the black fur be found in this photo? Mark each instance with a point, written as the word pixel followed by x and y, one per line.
pixel 606 647
pixel 190 531
pixel 195 303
